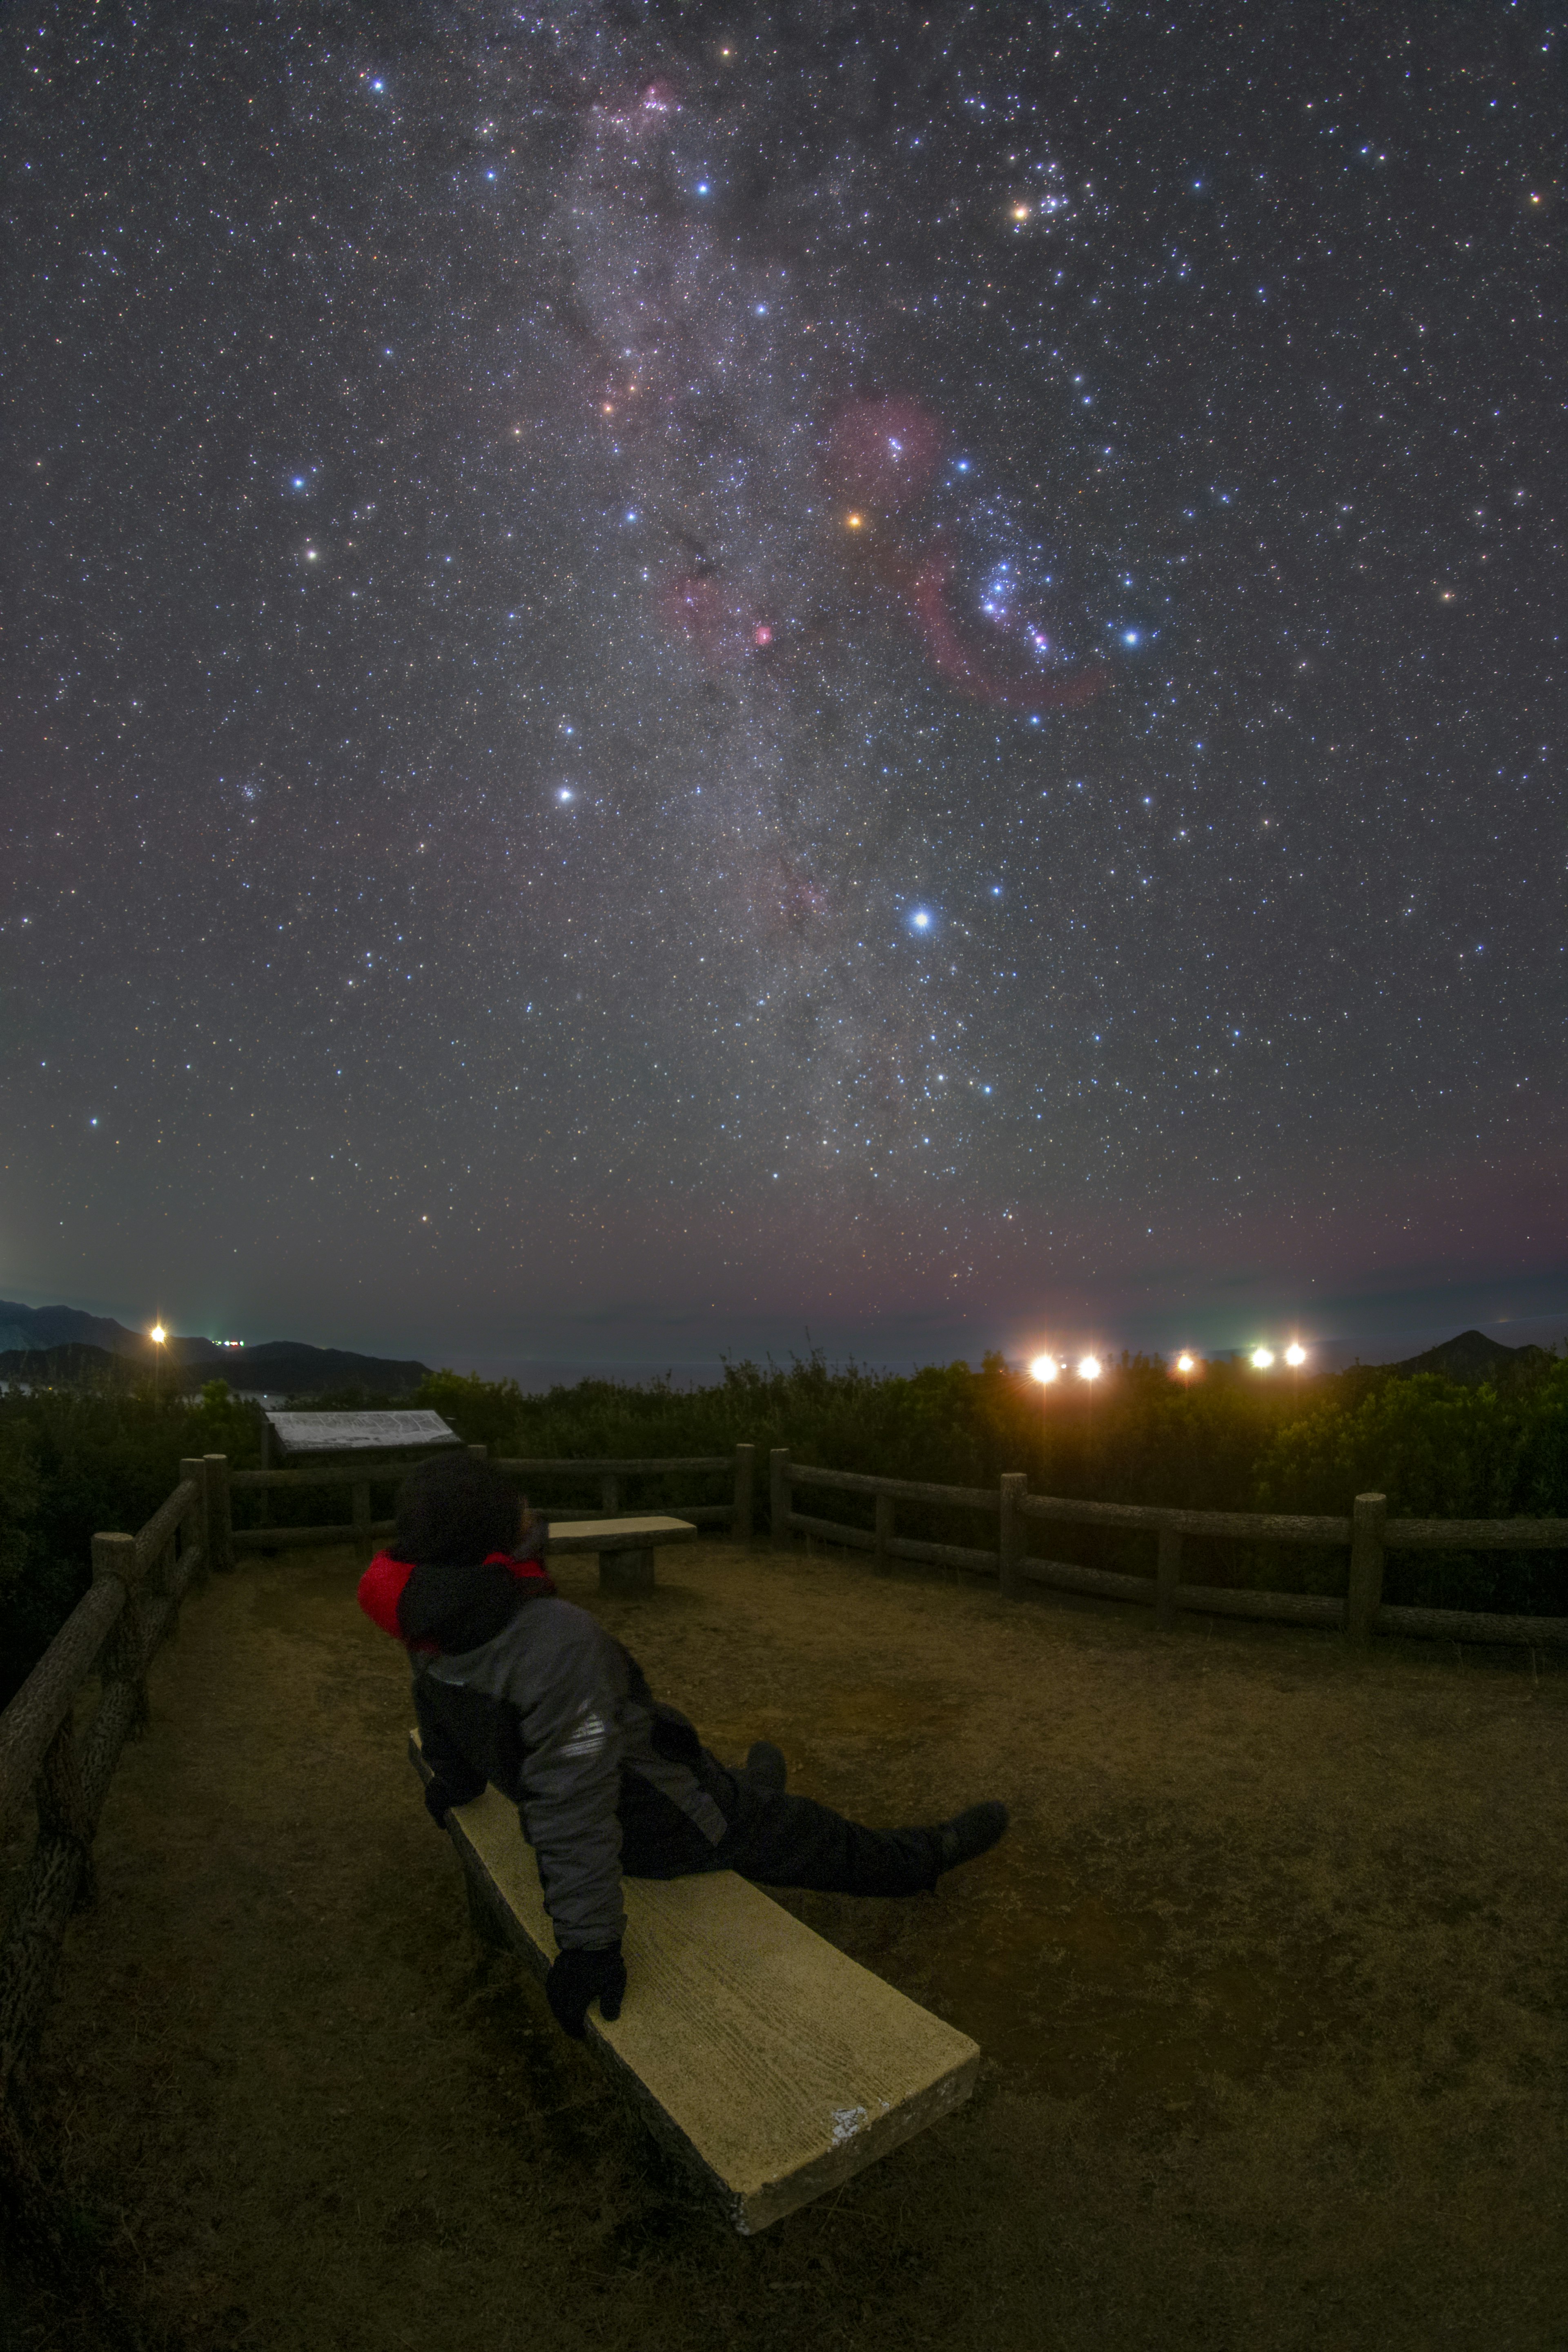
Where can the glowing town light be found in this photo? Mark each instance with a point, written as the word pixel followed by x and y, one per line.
pixel 1089 1369
pixel 157 1335
pixel 1261 1358
pixel 1295 1354
pixel 1044 1368
pixel 1185 1364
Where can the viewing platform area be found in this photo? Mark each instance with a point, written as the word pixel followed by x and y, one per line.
pixel 1265 1977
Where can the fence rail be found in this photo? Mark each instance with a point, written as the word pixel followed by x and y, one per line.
pixel 610 1472
pixel 1367 1534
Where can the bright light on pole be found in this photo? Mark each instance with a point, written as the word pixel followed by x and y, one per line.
pixel 1089 1369
pixel 158 1335
pixel 1044 1368
pixel 1295 1355
pixel 1261 1358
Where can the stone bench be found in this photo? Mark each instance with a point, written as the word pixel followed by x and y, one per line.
pixel 765 2061
pixel 626 1546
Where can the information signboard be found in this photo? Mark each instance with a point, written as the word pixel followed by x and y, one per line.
pixel 357 1433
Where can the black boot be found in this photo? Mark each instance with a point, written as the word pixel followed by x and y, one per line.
pixel 974 1831
pixel 765 1766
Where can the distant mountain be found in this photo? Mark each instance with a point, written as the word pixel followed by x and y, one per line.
pixel 72 1366
pixel 93 1342
pixel 1469 1357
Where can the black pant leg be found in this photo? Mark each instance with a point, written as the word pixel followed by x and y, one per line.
pixel 780 1840
pixel 776 1839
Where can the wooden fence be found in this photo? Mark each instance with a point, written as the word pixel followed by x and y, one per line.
pixel 1368 1534
pixel 610 1474
pixel 133 1602
pixel 138 1582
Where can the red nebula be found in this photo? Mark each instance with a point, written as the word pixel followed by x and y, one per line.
pixel 883 453
pixel 925 590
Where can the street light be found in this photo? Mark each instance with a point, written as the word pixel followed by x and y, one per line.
pixel 1295 1355
pixel 1089 1369
pixel 158 1335
pixel 1261 1358
pixel 1044 1368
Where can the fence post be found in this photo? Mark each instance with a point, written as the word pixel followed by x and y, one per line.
pixel 610 1495
pixel 220 1514
pixel 60 1880
pixel 195 1469
pixel 122 1660
pixel 1365 1591
pixel 1167 1576
pixel 778 1496
pixel 882 1560
pixel 1010 1540
pixel 62 1805
pixel 740 1516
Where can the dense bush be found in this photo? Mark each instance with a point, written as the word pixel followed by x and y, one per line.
pixel 1231 1441
pixel 72 1463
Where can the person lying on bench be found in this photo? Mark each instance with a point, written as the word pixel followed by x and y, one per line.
pixel 515 1687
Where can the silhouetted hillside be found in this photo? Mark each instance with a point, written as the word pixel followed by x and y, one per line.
pixel 60 1346
pixel 1471 1356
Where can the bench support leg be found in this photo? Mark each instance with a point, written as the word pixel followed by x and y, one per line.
pixel 481 1918
pixel 625 1572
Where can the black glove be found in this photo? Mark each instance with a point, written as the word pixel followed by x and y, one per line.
pixel 437 1797
pixel 573 1980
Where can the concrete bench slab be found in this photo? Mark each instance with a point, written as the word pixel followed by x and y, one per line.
pixel 626 1546
pixel 766 2061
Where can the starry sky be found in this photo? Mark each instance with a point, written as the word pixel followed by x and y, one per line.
pixel 679 674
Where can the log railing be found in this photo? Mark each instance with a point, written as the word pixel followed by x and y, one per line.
pixel 133 1602
pixel 609 1473
pixel 1367 1534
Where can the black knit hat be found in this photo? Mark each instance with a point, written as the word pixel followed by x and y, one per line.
pixel 455 1508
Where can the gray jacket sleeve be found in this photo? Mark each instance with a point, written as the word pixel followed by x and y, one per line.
pixel 572 1786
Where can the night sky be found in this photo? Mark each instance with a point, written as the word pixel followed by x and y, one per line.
pixel 675 675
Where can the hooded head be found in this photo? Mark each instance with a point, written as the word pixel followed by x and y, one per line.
pixel 465 1555
pixel 456 1509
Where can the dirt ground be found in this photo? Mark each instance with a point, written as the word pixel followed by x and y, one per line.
pixel 1269 1974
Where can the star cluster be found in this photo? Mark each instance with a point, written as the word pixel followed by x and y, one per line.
pixel 678 670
